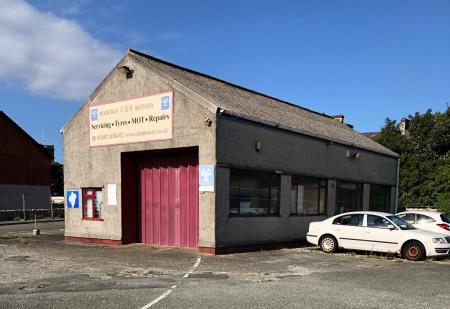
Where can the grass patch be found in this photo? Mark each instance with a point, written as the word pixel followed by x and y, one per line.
pixel 23 239
pixel 343 260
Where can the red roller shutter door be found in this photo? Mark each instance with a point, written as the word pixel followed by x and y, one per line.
pixel 169 200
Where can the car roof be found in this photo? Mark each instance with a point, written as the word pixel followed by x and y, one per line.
pixel 379 213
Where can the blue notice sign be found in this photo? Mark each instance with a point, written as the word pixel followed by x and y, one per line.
pixel 72 199
pixel 165 103
pixel 206 178
pixel 94 114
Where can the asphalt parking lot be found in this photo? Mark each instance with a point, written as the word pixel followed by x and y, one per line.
pixel 46 272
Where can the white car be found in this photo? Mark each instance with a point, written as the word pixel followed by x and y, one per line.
pixel 428 220
pixel 377 231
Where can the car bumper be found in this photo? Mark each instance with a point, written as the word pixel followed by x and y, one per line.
pixel 439 251
pixel 313 239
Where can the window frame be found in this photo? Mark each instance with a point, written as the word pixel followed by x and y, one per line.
pixel 349 215
pixel 425 217
pixel 269 200
pixel 325 188
pixel 86 196
pixel 378 226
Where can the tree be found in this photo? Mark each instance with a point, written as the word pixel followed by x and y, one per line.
pixel 57 179
pixel 424 158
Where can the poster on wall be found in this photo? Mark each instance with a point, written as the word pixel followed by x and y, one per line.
pixel 112 194
pixel 206 178
pixel 135 120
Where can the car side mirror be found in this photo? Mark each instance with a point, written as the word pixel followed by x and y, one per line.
pixel 391 227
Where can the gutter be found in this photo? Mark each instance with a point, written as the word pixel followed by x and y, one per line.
pixel 397 185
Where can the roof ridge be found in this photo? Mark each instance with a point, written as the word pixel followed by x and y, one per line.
pixel 226 82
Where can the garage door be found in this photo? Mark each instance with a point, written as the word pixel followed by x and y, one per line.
pixel 169 199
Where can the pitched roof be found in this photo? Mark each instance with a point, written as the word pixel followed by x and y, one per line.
pixel 370 135
pixel 249 104
pixel 26 135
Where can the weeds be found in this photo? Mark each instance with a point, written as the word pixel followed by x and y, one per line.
pixel 23 239
pixel 8 236
pixel 343 260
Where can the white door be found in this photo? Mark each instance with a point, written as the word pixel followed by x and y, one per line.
pixel 349 230
pixel 379 237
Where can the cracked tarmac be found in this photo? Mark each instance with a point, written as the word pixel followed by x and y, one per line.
pixel 46 272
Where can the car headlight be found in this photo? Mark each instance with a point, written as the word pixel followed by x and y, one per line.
pixel 439 240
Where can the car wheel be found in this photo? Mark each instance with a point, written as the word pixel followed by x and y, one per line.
pixel 414 251
pixel 328 244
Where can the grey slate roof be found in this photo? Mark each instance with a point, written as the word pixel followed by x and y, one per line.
pixel 370 135
pixel 249 104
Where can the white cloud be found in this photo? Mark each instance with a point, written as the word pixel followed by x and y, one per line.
pixel 49 55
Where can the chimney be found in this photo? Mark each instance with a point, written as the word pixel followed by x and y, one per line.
pixel 339 118
pixel 404 126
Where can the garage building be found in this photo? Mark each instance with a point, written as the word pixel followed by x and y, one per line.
pixel 164 155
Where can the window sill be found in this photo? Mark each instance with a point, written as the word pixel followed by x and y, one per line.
pixel 92 219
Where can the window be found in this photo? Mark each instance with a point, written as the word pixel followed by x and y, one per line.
pixel 352 220
pixel 308 196
pixel 377 222
pixel 380 198
pixel 92 203
pixel 409 217
pixel 402 224
pixel 445 218
pixel 424 219
pixel 348 196
pixel 254 193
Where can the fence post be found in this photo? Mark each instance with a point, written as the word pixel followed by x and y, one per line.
pixel 51 208
pixel 23 205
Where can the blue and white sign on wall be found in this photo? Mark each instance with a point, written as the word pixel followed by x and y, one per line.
pixel 72 198
pixel 165 103
pixel 94 114
pixel 206 178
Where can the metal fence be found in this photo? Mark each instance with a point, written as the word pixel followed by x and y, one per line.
pixel 25 206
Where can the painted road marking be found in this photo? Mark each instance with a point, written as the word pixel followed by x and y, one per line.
pixel 173 287
pixel 193 267
pixel 167 293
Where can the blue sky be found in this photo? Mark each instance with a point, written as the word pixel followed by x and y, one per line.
pixel 367 60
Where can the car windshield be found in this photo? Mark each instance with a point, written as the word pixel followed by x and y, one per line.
pixel 401 223
pixel 445 218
